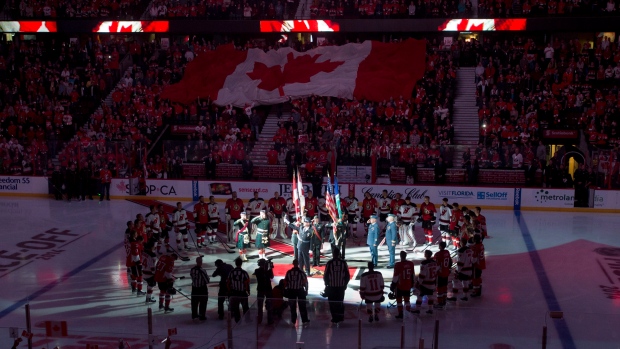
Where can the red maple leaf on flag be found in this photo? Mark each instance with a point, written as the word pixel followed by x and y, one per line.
pixel 296 70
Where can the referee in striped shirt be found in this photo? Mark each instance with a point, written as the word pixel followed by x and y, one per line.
pixel 336 278
pixel 296 284
pixel 200 291
pixel 238 290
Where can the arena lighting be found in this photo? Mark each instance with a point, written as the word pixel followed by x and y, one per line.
pixel 28 27
pixel 476 25
pixel 132 27
pixel 299 26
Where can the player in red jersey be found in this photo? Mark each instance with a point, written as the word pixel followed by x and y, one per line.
pixel 201 219
pixel 396 203
pixel 233 209
pixel 165 280
pixel 402 283
pixel 481 221
pixel 105 176
pixel 133 248
pixel 312 205
pixel 444 261
pixel 456 220
pixel 427 215
pixel 277 208
pixel 369 208
pixel 479 265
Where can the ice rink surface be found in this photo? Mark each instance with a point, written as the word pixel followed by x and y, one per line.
pixel 67 261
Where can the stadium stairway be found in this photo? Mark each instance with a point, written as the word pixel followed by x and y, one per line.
pixel 465 118
pixel 303 9
pixel 264 143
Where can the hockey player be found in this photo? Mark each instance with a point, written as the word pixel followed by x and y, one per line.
pixel 427 215
pixel 444 262
pixel 406 215
pixel 140 227
pixel 396 203
pixel 153 226
pixel 322 209
pixel 464 271
pixel 255 206
pixel 481 222
pixel 402 283
pixel 149 261
pixel 445 212
pixel 242 237
pixel 384 207
pixel 233 209
pixel 479 265
pixel 351 205
pixel 133 248
pixel 427 282
pixel 277 208
pixel 201 219
pixel 369 207
pixel 371 291
pixel 312 204
pixel 165 280
pixel 456 220
pixel 214 219
pixel 290 215
pixel 181 226
pixel 262 232
pixel 165 224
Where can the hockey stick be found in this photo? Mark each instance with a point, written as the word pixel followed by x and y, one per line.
pixel 226 247
pixel 226 243
pixel 183 258
pixel 195 244
pixel 429 245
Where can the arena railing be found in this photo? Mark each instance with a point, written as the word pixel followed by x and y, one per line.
pixel 475 322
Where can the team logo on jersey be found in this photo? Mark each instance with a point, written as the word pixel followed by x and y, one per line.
pixel 367 206
pixel 406 210
pixel 203 211
pixel 426 211
pixel 310 206
pixel 236 207
pixel 278 206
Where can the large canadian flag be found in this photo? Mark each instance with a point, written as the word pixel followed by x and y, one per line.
pixel 370 70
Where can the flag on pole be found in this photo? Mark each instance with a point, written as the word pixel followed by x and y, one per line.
pixel 300 188
pixel 330 203
pixel 296 197
pixel 337 196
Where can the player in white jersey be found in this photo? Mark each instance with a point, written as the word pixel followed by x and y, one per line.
pixel 371 291
pixel 352 206
pixel 406 216
pixel 445 213
pixel 153 228
pixel 255 205
pixel 149 261
pixel 464 271
pixel 181 226
pixel 214 218
pixel 384 203
pixel 427 282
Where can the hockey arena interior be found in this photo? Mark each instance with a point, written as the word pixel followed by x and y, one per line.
pixel 309 174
